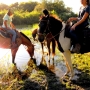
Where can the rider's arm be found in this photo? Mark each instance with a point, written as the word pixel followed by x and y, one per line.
pixel 12 25
pixel 73 19
pixel 83 19
pixel 5 23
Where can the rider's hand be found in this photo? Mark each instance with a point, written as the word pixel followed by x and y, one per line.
pixel 70 19
pixel 73 27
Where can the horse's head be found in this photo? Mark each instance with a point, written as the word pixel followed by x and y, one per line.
pixel 43 26
pixel 49 24
pixel 27 42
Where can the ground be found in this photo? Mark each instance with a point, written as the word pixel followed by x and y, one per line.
pixel 44 76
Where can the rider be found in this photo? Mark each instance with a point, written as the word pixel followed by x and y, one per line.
pixel 9 27
pixel 82 22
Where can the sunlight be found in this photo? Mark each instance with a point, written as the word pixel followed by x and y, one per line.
pixel 5 60
pixel 3 52
pixel 12 1
pixel 75 5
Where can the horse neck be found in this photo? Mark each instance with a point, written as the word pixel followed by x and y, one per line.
pixel 56 32
pixel 25 41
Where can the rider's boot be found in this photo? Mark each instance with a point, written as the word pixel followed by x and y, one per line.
pixel 76 49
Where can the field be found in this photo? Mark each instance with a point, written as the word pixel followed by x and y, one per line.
pixel 42 78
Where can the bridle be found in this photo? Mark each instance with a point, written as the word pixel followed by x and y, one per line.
pixel 47 28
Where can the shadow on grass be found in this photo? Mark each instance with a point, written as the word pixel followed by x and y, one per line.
pixel 43 79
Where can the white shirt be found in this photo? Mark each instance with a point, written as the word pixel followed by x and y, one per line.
pixel 8 18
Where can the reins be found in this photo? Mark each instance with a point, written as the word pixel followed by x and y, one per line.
pixel 56 34
pixel 47 27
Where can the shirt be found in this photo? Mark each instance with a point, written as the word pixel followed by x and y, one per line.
pixel 82 12
pixel 8 18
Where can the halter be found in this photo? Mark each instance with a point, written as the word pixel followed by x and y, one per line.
pixel 44 34
pixel 47 27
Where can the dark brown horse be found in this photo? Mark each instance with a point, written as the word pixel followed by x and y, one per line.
pixel 21 39
pixel 48 39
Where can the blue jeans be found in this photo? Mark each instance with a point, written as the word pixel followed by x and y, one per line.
pixel 74 37
pixel 13 35
pixel 11 31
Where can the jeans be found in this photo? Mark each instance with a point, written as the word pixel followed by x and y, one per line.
pixel 74 37
pixel 11 31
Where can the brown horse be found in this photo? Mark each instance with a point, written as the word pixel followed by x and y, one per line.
pixel 49 39
pixel 21 39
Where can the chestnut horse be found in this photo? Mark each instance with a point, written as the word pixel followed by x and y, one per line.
pixel 5 43
pixel 48 39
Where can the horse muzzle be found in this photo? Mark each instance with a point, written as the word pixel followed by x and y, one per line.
pixel 41 37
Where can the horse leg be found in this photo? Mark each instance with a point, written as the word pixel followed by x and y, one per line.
pixel 42 48
pixel 14 54
pixel 48 46
pixel 67 58
pixel 53 48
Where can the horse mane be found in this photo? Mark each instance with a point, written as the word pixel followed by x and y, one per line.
pixel 56 17
pixel 25 36
pixel 53 16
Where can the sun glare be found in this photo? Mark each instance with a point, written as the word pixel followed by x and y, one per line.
pixel 70 3
pixel 3 52
pixel 12 1
pixel 74 4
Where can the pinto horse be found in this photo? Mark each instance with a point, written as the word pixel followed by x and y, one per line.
pixel 58 28
pixel 48 39
pixel 5 43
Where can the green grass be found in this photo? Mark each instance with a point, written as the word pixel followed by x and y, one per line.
pixel 14 81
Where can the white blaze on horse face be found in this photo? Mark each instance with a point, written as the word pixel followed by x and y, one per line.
pixel 64 41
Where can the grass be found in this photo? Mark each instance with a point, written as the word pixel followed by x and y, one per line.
pixel 40 78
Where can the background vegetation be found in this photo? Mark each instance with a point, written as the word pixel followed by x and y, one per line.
pixel 29 12
pixel 42 79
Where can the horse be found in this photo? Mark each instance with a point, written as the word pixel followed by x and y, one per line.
pixel 5 43
pixel 48 39
pixel 57 28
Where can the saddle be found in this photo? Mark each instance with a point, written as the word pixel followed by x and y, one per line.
pixel 5 34
pixel 84 38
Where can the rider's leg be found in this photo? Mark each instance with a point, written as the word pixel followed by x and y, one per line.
pixel 73 37
pixel 76 46
pixel 13 37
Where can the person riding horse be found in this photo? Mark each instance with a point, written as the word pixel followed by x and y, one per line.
pixel 77 28
pixel 9 27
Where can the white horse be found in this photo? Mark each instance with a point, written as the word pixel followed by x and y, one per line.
pixel 57 28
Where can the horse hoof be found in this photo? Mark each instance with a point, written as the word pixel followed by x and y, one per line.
pixel 62 77
pixel 66 74
pixel 71 77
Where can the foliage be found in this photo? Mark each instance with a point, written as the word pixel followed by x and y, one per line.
pixel 29 12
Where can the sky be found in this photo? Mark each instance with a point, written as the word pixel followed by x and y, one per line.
pixel 74 4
